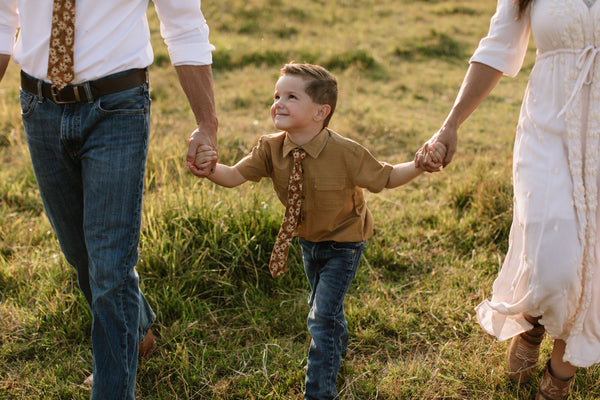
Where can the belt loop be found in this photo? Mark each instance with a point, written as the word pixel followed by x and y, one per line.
pixel 40 94
pixel 76 94
pixel 88 92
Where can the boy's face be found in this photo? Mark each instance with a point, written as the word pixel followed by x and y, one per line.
pixel 293 110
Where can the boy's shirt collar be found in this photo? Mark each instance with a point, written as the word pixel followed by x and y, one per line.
pixel 312 148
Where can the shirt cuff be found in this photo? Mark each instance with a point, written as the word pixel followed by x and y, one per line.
pixel 192 54
pixel 7 41
pixel 499 62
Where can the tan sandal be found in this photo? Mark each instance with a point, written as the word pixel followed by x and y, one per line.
pixel 523 354
pixel 552 388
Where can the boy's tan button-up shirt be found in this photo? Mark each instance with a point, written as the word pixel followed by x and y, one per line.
pixel 335 171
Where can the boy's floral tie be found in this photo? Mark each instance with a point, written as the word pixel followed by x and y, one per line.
pixel 60 60
pixel 290 219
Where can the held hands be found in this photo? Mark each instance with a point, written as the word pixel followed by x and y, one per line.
pixel 202 154
pixel 205 157
pixel 431 157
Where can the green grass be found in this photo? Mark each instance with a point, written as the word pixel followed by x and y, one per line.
pixel 226 329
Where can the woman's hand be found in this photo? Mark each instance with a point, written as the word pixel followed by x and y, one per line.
pixel 429 158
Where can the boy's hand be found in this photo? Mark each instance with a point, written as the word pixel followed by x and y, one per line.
pixel 197 139
pixel 437 152
pixel 448 136
pixel 433 158
pixel 206 156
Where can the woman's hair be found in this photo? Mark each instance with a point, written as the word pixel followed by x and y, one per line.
pixel 321 86
pixel 523 4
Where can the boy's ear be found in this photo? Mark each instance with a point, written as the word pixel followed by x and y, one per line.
pixel 322 112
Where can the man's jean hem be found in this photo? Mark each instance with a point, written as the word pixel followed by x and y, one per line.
pixel 89 161
pixel 330 268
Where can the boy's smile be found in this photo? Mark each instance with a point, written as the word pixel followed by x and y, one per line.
pixel 293 110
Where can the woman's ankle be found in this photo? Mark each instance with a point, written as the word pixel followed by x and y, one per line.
pixel 558 368
pixel 532 320
pixel 562 371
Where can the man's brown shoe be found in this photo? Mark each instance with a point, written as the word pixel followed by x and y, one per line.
pixel 148 345
pixel 145 349
pixel 523 354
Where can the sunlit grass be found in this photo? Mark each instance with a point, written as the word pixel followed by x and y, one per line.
pixel 226 329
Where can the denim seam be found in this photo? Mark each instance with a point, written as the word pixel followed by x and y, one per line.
pixel 123 317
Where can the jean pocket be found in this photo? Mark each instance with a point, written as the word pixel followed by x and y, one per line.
pixel 134 101
pixel 349 253
pixel 351 247
pixel 28 103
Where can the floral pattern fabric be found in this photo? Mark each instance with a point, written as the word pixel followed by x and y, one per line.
pixel 62 36
pixel 277 263
pixel 552 268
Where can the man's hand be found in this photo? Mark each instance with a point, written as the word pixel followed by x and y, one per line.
pixel 203 160
pixel 197 83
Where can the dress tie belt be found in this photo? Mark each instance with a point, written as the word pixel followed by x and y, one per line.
pixel 585 63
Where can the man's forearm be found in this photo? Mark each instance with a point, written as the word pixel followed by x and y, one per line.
pixel 197 84
pixel 4 59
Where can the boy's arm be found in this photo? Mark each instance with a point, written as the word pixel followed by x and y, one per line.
pixel 227 176
pixel 221 174
pixel 403 173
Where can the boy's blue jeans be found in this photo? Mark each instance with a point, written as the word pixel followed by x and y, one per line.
pixel 330 268
pixel 89 161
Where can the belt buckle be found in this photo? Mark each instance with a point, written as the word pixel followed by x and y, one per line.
pixel 56 95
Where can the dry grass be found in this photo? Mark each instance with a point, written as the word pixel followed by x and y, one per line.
pixel 229 331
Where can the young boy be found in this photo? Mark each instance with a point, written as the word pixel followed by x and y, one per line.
pixel 334 221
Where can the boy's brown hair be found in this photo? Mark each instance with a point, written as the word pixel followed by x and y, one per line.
pixel 321 85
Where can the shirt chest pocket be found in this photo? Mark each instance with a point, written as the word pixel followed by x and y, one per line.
pixel 330 192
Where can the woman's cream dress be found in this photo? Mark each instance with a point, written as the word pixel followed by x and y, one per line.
pixel 552 268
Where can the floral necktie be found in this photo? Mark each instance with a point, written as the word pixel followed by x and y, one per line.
pixel 60 60
pixel 290 219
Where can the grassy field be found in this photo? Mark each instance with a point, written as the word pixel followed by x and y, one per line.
pixel 226 329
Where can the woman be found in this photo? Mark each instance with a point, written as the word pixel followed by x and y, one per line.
pixel 550 280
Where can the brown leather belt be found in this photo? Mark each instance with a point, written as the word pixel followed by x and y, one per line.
pixel 87 91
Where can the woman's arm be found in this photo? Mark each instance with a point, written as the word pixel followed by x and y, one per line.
pixel 479 81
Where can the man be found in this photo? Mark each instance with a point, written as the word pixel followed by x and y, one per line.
pixel 87 128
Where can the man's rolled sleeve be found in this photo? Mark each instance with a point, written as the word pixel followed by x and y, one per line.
pixel 185 31
pixel 9 21
pixel 191 49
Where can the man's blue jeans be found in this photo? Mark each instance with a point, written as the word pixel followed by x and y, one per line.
pixel 330 268
pixel 89 161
